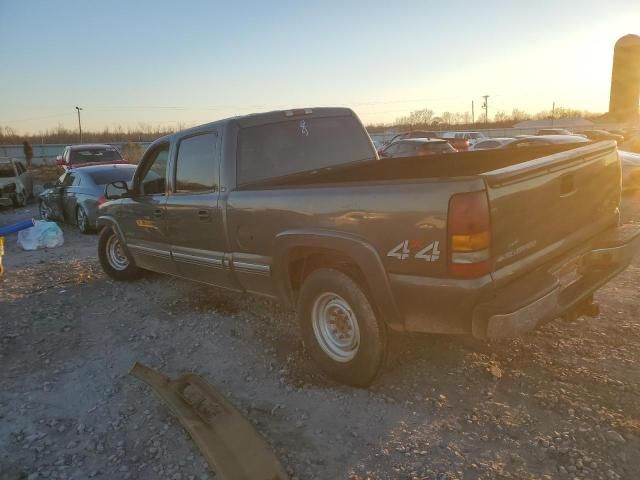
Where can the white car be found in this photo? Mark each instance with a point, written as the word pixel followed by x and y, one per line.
pixel 491 143
pixel 16 183
pixel 630 163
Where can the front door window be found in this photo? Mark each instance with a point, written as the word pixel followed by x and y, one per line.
pixel 153 180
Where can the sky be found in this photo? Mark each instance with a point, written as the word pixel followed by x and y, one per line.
pixel 191 62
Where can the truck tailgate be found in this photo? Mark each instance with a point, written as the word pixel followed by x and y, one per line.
pixel 544 207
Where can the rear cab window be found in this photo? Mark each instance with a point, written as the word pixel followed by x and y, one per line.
pixel 300 144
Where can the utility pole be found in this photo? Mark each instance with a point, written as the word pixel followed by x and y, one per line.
pixel 79 123
pixel 485 106
pixel 553 113
pixel 473 114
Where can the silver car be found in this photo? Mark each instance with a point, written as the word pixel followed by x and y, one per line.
pixel 16 183
pixel 75 197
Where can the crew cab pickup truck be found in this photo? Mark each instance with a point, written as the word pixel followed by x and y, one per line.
pixel 296 205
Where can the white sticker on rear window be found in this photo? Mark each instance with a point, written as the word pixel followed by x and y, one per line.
pixel 303 128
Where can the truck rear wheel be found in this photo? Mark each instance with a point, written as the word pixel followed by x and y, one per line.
pixel 340 328
pixel 114 259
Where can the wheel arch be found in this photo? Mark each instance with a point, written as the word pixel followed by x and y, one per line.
pixel 109 221
pixel 326 249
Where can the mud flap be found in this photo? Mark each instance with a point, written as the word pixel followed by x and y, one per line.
pixel 228 441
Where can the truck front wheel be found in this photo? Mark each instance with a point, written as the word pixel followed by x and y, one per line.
pixel 114 259
pixel 340 328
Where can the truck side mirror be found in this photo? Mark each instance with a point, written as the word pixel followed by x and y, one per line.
pixel 116 190
pixel 59 160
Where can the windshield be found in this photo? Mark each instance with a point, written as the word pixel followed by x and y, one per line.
pixel 278 149
pixel 104 177
pixel 94 155
pixel 6 170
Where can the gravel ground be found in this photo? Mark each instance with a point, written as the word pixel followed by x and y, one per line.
pixel 562 402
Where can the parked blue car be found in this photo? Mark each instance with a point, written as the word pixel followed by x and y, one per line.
pixel 76 195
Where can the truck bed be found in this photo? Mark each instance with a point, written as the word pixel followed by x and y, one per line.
pixel 459 164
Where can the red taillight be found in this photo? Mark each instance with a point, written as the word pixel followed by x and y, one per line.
pixel 469 235
pixel 101 200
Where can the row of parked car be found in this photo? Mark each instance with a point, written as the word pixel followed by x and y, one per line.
pixel 422 143
pixel 79 191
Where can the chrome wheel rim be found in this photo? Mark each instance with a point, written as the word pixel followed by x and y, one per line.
pixel 82 220
pixel 115 254
pixel 335 327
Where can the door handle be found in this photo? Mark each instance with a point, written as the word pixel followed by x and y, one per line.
pixel 203 214
pixel 157 212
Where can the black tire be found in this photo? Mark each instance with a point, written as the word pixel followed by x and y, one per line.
pixel 82 221
pixel 329 290
pixel 118 271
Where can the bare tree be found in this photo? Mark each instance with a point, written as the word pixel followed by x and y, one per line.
pixel 448 118
pixel 501 116
pixel 518 115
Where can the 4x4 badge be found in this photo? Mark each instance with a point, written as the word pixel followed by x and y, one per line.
pixel 430 253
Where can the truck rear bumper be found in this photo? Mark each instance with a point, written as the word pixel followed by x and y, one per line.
pixel 558 289
pixel 477 307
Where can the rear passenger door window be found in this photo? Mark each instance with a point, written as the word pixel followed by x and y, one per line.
pixel 197 166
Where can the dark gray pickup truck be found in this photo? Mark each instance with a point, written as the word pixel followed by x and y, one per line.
pixel 296 205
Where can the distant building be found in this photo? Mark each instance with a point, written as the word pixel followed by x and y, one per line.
pixel 625 79
pixel 556 123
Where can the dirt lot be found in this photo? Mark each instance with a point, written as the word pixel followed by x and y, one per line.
pixel 563 402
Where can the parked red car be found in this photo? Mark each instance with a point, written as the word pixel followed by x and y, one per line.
pixel 89 154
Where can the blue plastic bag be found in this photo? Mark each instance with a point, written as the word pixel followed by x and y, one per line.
pixel 42 235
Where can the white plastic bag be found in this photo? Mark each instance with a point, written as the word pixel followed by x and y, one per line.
pixel 42 235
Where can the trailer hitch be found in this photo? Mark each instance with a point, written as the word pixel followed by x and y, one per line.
pixel 228 441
